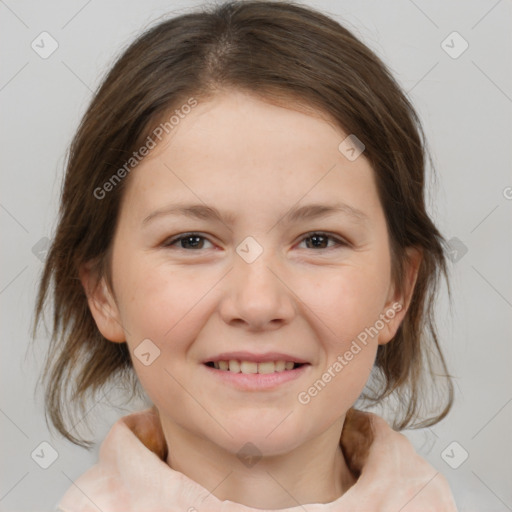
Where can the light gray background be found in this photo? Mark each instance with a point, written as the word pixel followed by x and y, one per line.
pixel 465 104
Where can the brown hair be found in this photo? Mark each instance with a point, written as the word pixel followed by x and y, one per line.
pixel 282 52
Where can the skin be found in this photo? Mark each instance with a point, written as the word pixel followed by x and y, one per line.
pixel 256 160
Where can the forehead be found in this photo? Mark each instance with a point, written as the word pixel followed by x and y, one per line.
pixel 249 126
pixel 241 151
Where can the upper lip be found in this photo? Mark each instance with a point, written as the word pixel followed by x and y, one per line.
pixel 257 358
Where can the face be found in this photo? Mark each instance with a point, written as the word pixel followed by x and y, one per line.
pixel 295 266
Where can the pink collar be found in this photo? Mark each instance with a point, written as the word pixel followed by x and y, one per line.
pixel 132 475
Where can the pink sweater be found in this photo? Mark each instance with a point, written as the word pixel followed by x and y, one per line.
pixel 132 475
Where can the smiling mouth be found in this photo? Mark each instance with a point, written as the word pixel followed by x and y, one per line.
pixel 251 367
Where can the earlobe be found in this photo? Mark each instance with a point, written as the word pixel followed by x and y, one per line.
pixel 399 300
pixel 102 305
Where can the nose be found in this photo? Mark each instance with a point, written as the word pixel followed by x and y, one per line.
pixel 256 295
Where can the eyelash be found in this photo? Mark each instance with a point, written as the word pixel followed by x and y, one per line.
pixel 339 242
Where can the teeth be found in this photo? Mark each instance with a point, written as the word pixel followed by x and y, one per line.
pixel 252 367
pixel 248 367
pixel 267 367
pixel 280 366
pixel 234 366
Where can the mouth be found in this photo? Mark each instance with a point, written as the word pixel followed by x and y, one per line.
pixel 252 367
pixel 256 376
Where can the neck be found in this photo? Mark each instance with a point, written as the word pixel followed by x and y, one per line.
pixel 314 472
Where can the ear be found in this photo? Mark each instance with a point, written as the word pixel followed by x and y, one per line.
pixel 398 301
pixel 102 305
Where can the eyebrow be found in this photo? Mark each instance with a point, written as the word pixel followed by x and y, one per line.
pixel 307 212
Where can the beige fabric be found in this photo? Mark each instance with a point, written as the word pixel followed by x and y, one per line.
pixel 132 475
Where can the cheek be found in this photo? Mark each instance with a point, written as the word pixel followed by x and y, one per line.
pixel 338 386
pixel 345 306
pixel 160 304
pixel 158 299
pixel 346 300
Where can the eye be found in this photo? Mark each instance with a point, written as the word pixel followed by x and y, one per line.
pixel 196 241
pixel 321 240
pixel 187 241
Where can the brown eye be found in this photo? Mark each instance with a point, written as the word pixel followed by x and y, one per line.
pixel 192 241
pixel 321 241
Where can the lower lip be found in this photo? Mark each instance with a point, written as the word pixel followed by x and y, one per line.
pixel 258 381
